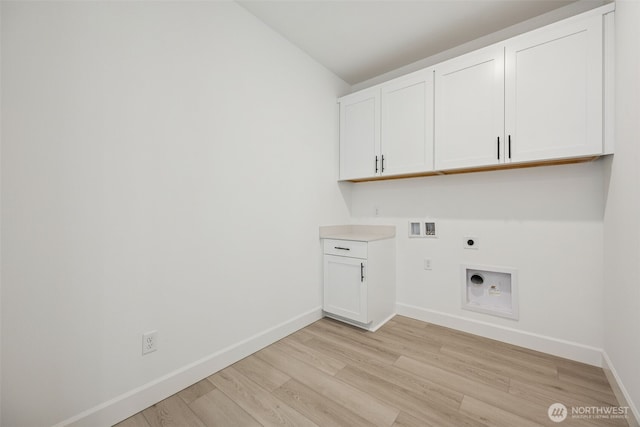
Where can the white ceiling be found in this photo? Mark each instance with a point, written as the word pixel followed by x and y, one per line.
pixel 361 39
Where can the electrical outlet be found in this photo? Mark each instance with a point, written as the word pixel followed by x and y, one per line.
pixel 471 242
pixel 149 342
pixel 427 264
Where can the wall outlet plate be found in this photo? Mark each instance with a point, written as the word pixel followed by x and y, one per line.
pixel 415 229
pixel 422 228
pixel 149 342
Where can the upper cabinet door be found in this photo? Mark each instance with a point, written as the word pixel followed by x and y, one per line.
pixel 407 124
pixel 469 125
pixel 360 135
pixel 554 91
pixel 469 111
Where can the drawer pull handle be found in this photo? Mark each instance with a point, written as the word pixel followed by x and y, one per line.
pixel 341 248
pixel 361 272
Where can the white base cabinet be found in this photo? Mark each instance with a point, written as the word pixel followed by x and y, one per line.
pixel 359 281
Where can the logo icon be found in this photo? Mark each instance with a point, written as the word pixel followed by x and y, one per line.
pixel 557 412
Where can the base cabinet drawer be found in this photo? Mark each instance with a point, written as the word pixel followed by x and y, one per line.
pixel 348 248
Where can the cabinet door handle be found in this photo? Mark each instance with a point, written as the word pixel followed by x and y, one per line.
pixel 362 272
pixel 498 148
pixel 341 248
pixel 509 146
pixel 382 171
pixel 376 164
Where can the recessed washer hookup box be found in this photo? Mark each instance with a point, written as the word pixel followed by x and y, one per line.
pixel 490 290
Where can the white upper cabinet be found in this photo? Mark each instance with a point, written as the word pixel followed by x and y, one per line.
pixel 407 124
pixel 535 98
pixel 388 130
pixel 553 88
pixel 359 134
pixel 469 111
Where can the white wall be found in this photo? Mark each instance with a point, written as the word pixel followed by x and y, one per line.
pixel 165 165
pixel 622 214
pixel 0 219
pixel 546 222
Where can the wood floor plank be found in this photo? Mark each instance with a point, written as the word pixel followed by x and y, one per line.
pixel 216 409
pixel 492 416
pixel 138 420
pixel 399 331
pixel 256 401
pixel 527 359
pixel 261 372
pixel 588 394
pixel 588 380
pixel 490 357
pixel 404 320
pixel 545 396
pixel 370 408
pixel 402 341
pixel 306 354
pixel 415 349
pixel 428 391
pixel 498 367
pixel 195 391
pixel 301 336
pixel 406 420
pixel 483 347
pixel 171 412
pixel 567 389
pixel 353 341
pixel 318 408
pixel 577 367
pixel 347 355
pixel 533 411
pixel 405 400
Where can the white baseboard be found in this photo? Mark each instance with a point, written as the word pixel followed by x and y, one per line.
pixel 123 406
pixel 562 348
pixel 620 391
pixel 380 324
pixel 371 327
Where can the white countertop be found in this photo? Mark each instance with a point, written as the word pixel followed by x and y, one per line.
pixel 361 233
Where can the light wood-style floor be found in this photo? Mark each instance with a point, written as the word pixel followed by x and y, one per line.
pixel 408 373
